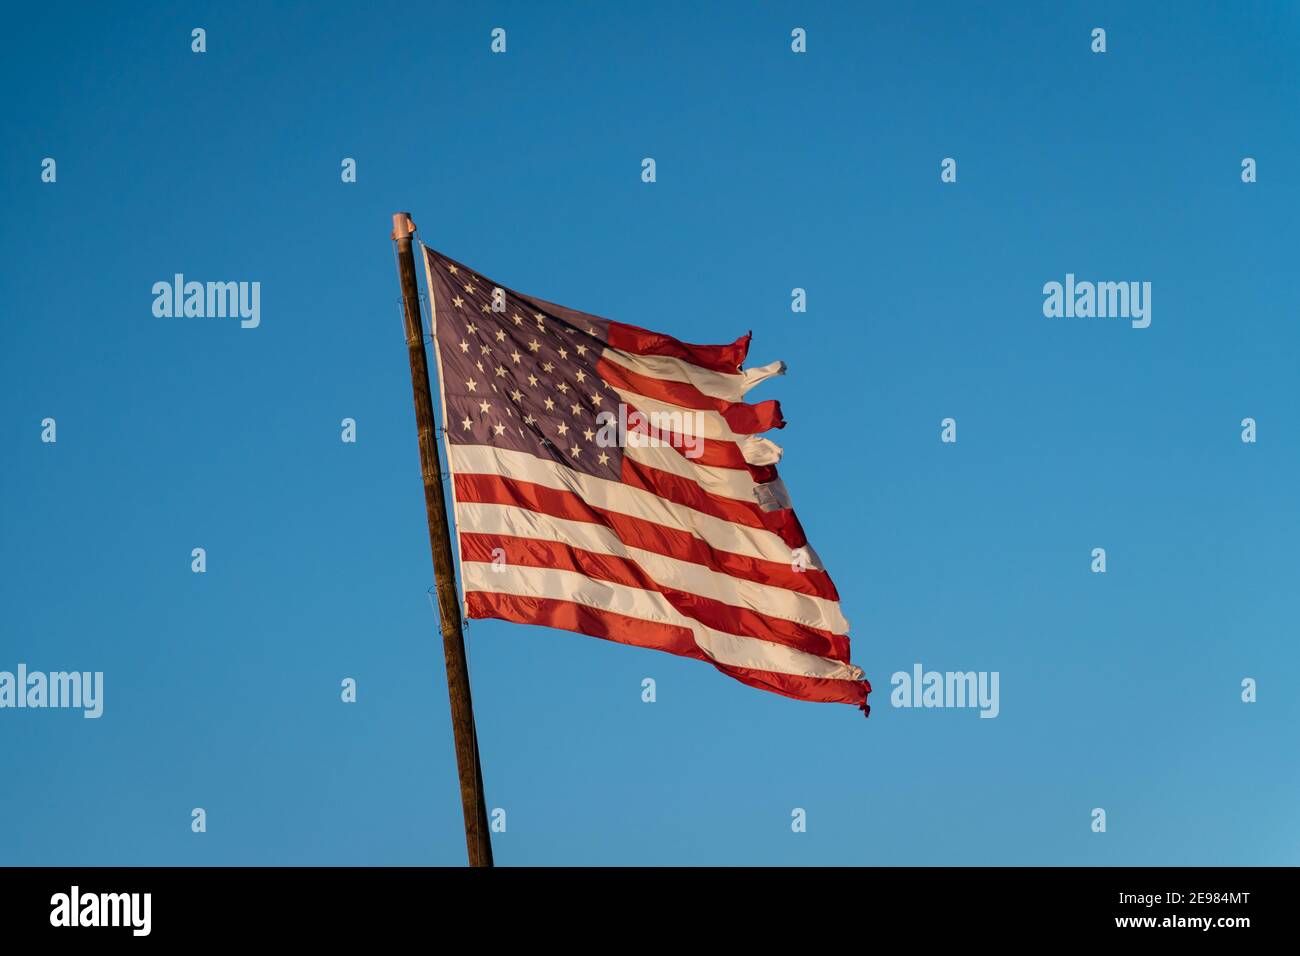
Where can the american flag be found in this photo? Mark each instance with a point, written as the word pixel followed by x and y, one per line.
pixel 675 535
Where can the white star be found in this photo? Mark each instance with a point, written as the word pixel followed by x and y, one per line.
pixel 534 345
pixel 467 424
pixel 582 376
pixel 589 434
pixel 548 368
pixel 471 384
pixel 515 356
pixel 500 370
pixel 458 302
pixel 563 354
pixel 499 429
pixel 574 451
pixel 472 327
pixel 532 380
pixel 484 407
pixel 563 429
pixel 575 409
pixel 563 387
pixel 582 350
pixel 603 459
pixel 517 395
pixel 595 399
pixel 550 405
pixel 469 288
pixel 464 346
pixel 529 420
pixel 451 269
pixel 519 319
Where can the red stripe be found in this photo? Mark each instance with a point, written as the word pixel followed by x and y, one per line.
pixel 823 690
pixel 741 417
pixel 713 452
pixel 570 616
pixel 684 491
pixel 718 615
pixel 718 358
pixel 641 533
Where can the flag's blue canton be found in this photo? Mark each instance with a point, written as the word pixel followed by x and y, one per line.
pixel 520 373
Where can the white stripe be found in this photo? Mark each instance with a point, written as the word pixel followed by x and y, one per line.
pixel 616 496
pixel 729 649
pixel 761 373
pixel 770 600
pixel 758 450
pixel 728 387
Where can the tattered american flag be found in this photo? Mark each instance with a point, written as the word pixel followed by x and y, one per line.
pixel 685 544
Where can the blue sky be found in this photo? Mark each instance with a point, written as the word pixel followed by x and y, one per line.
pixel 775 170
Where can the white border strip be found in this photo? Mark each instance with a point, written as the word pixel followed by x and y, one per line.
pixel 446 442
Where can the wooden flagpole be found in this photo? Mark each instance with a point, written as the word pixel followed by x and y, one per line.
pixel 478 840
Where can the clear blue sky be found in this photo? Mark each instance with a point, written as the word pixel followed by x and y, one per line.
pixel 775 170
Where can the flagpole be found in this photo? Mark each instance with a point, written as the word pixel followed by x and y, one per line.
pixel 478 840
